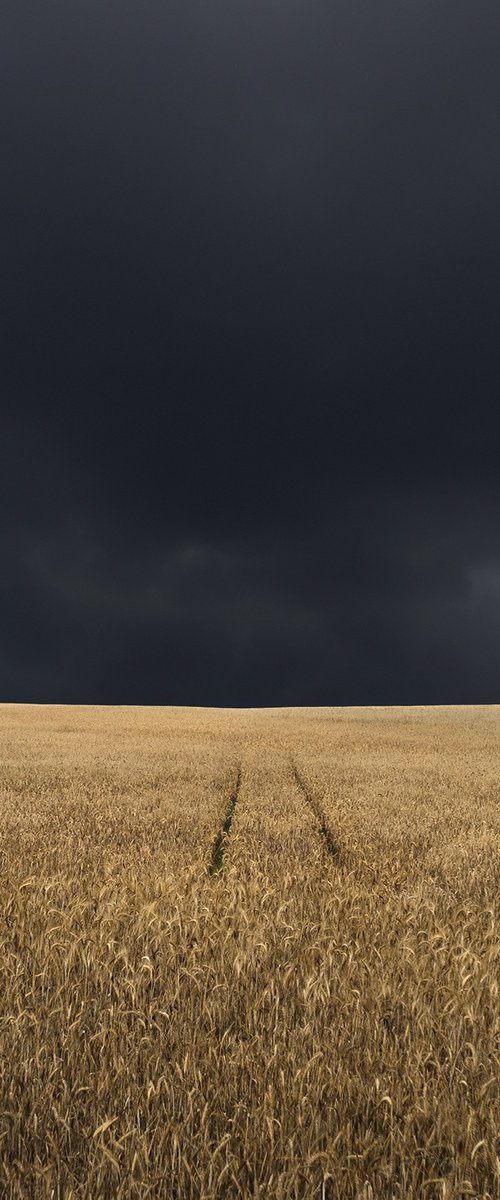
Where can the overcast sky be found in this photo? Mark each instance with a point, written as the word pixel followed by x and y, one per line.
pixel 251 338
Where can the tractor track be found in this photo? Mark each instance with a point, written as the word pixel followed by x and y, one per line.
pixel 330 844
pixel 220 843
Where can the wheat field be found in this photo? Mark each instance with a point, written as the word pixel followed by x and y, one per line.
pixel 249 953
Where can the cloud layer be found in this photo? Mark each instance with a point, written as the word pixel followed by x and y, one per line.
pixel 251 360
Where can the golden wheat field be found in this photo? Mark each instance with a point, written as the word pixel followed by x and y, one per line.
pixel 303 1005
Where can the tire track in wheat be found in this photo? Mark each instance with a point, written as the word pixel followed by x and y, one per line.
pixel 331 846
pixel 220 843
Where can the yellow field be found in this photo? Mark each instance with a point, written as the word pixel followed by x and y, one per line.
pixel 317 1018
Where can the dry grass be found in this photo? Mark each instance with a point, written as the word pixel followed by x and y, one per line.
pixel 302 1023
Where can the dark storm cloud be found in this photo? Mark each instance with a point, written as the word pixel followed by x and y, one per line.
pixel 251 363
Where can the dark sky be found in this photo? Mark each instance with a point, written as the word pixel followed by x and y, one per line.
pixel 251 351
